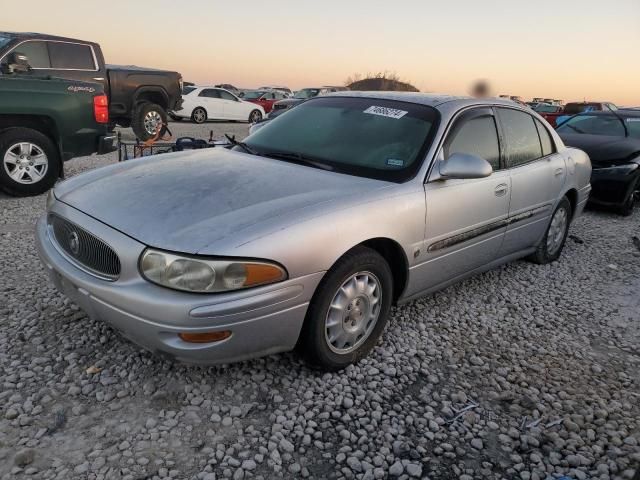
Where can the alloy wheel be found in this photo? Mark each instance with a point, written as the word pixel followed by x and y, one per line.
pixel 557 229
pixel 25 163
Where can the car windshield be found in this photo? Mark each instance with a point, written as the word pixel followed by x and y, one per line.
pixel 367 137
pixel 547 109
pixel 307 93
pixel 187 90
pixel 253 95
pixel 593 125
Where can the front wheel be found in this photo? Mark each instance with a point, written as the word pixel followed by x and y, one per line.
pixel 555 237
pixel 349 310
pixel 30 162
pixel 629 204
pixel 149 121
pixel 255 116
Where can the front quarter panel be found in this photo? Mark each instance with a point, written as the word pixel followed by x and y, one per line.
pixel 316 242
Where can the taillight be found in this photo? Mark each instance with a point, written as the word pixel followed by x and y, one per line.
pixel 101 108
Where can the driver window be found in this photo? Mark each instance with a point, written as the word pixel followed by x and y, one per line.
pixel 36 52
pixel 226 95
pixel 478 137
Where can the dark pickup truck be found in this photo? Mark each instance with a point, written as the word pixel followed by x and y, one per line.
pixel 138 97
pixel 44 122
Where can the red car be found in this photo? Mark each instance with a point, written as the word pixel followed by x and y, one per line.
pixel 264 98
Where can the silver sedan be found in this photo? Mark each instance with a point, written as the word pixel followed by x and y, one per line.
pixel 306 234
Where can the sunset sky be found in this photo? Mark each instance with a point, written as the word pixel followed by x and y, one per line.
pixel 568 49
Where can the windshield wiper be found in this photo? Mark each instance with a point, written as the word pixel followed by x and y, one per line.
pixel 298 158
pixel 242 145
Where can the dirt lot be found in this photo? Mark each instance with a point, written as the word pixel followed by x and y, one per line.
pixel 528 372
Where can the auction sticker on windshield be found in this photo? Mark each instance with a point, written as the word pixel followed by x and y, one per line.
pixel 385 112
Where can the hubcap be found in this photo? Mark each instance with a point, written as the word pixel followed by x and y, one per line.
pixel 255 116
pixel 353 312
pixel 199 115
pixel 556 231
pixel 25 163
pixel 152 122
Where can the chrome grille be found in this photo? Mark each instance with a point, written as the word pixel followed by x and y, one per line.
pixel 88 251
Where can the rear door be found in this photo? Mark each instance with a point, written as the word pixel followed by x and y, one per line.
pixel 537 176
pixel 466 218
pixel 209 98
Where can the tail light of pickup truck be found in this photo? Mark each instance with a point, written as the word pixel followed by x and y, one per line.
pixel 101 108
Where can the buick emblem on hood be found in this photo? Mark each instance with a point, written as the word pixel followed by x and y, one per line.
pixel 74 243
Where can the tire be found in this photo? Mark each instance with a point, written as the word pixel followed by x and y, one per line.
pixel 146 118
pixel 175 118
pixel 30 162
pixel 555 237
pixel 255 116
pixel 629 204
pixel 358 268
pixel 199 115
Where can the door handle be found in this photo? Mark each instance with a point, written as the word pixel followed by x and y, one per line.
pixel 558 171
pixel 501 190
pixel 98 79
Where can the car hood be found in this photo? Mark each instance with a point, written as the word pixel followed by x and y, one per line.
pixel 187 201
pixel 603 149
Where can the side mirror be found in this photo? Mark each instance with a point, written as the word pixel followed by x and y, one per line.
pixel 463 165
pixel 18 63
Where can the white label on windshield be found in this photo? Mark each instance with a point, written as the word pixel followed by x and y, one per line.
pixel 633 119
pixel 386 112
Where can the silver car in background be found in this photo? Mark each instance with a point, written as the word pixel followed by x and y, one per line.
pixel 308 232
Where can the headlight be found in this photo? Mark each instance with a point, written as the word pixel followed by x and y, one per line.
pixel 618 169
pixel 192 274
pixel 51 199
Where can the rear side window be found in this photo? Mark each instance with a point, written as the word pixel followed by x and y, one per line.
pixel 477 136
pixel 209 93
pixel 36 52
pixel 521 135
pixel 545 139
pixel 72 56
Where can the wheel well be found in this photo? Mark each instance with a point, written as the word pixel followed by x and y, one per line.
pixel 152 96
pixel 42 124
pixel 572 195
pixel 393 253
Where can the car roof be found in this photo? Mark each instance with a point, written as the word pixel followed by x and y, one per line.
pixel 429 99
pixel 42 36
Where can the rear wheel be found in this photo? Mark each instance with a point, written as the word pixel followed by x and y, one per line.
pixel 348 311
pixel 554 239
pixel 255 116
pixel 199 115
pixel 30 162
pixel 149 120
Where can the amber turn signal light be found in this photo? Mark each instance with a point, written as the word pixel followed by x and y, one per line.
pixel 205 337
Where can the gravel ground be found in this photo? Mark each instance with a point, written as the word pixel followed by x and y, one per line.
pixel 525 372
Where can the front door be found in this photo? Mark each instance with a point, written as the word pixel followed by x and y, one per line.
pixel 234 109
pixel 466 218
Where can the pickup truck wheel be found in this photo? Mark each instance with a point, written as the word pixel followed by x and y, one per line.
pixel 30 162
pixel 348 311
pixel 199 115
pixel 553 241
pixel 148 119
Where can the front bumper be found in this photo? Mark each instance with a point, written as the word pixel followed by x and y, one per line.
pixel 262 320
pixel 612 189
